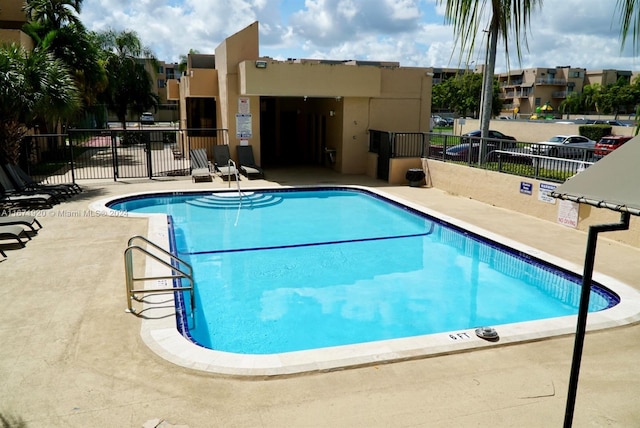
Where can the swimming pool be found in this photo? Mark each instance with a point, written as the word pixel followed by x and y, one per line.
pixel 392 274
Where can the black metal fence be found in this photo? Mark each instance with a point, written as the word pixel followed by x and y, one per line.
pixel 519 158
pixel 115 154
pixel 147 153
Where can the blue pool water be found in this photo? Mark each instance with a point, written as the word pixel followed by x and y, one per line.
pixel 287 270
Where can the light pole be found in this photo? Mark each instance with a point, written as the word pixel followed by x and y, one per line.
pixel 468 66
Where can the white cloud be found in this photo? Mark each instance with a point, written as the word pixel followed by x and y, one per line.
pixel 580 33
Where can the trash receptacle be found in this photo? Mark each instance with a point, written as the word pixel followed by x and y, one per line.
pixel 415 176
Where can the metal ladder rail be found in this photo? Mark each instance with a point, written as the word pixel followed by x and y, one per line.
pixel 237 176
pixel 182 273
pixel 231 163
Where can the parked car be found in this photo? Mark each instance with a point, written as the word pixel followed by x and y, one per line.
pixel 441 122
pixel 495 137
pixel 607 122
pixel 147 118
pixel 608 144
pixel 566 146
pixel 460 152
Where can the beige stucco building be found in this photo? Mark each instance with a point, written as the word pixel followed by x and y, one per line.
pixel 12 18
pixel 527 89
pixel 300 112
pixel 162 73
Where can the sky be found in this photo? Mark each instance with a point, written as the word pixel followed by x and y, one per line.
pixel 576 33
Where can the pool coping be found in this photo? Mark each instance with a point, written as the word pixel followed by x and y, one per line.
pixel 160 334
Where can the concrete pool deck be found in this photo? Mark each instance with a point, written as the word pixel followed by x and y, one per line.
pixel 71 356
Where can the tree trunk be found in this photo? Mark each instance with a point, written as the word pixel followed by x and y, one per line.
pixel 11 134
pixel 487 88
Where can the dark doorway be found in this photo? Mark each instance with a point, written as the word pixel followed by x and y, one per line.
pixel 268 132
pixel 289 141
pixel 292 131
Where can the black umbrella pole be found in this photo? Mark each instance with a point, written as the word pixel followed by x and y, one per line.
pixel 583 310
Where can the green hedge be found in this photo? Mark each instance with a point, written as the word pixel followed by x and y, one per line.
pixel 595 132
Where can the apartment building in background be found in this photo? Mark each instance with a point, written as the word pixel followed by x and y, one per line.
pixel 526 90
pixel 161 74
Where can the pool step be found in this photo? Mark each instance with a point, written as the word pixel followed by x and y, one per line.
pixel 233 200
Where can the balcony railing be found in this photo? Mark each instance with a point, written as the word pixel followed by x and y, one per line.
pixel 556 82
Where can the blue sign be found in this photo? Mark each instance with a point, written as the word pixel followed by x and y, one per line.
pixel 526 188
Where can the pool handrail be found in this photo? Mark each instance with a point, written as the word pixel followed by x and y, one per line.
pixel 234 172
pixel 179 269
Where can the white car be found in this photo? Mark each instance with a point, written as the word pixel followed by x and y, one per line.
pixel 566 146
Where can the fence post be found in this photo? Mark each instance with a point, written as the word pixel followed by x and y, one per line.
pixel 70 148
pixel 114 153
pixel 147 149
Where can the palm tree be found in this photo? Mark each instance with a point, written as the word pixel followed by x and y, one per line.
pixel 54 13
pixel 54 25
pixel 508 19
pixel 35 86
pixel 130 85
pixel 571 104
pixel 630 20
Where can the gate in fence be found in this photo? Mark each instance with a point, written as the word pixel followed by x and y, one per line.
pixel 114 154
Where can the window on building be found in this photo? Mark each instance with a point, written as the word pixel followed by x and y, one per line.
pixel 170 73
pixel 160 69
pixel 162 83
pixel 538 102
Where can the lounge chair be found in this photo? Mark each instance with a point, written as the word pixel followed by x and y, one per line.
pixel 10 190
pixel 247 163
pixel 223 163
pixel 25 220
pixel 200 169
pixel 32 200
pixel 19 176
pixel 13 231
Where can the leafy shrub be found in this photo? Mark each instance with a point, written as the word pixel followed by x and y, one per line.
pixel 595 132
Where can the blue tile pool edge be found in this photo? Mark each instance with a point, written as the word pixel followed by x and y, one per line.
pixel 161 336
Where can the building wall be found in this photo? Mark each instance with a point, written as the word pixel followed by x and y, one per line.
pixel 309 79
pixel 353 143
pixel 17 37
pixel 12 18
pixel 11 14
pixel 201 83
pixel 239 47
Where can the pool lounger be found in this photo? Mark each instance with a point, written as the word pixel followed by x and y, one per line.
pixel 25 220
pixel 247 163
pixel 222 164
pixel 200 170
pixel 14 231
pixel 201 174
